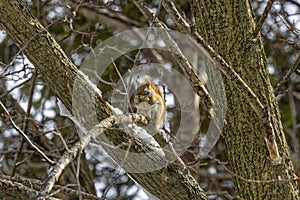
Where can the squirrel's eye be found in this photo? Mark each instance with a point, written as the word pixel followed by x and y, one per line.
pixel 145 92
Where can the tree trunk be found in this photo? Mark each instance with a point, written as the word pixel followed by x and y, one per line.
pixel 228 27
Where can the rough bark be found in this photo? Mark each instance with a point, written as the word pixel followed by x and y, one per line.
pixel 228 26
pixel 171 182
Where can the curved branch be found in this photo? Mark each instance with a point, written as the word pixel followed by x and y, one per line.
pixel 79 146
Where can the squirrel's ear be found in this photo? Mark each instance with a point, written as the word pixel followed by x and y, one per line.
pixel 139 83
pixel 147 78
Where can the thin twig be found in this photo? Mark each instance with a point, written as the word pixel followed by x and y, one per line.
pixel 127 97
pixel 60 190
pixel 287 24
pixel 32 185
pixel 260 181
pixel 77 176
pixel 281 88
pixel 252 180
pixel 25 122
pixel 16 86
pixel 262 18
pixel 181 23
pixel 293 133
pixel 25 136
pixel 57 132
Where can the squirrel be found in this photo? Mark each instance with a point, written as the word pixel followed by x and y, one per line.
pixel 150 102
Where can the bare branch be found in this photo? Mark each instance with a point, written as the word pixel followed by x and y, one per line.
pixel 13 88
pixel 70 155
pixel 24 135
pixel 25 122
pixel 181 23
pixel 28 189
pixel 262 18
pixel 281 88
pixel 292 28
pixel 280 179
pixel 112 19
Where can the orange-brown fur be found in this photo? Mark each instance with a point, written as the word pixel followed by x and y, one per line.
pixel 149 101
